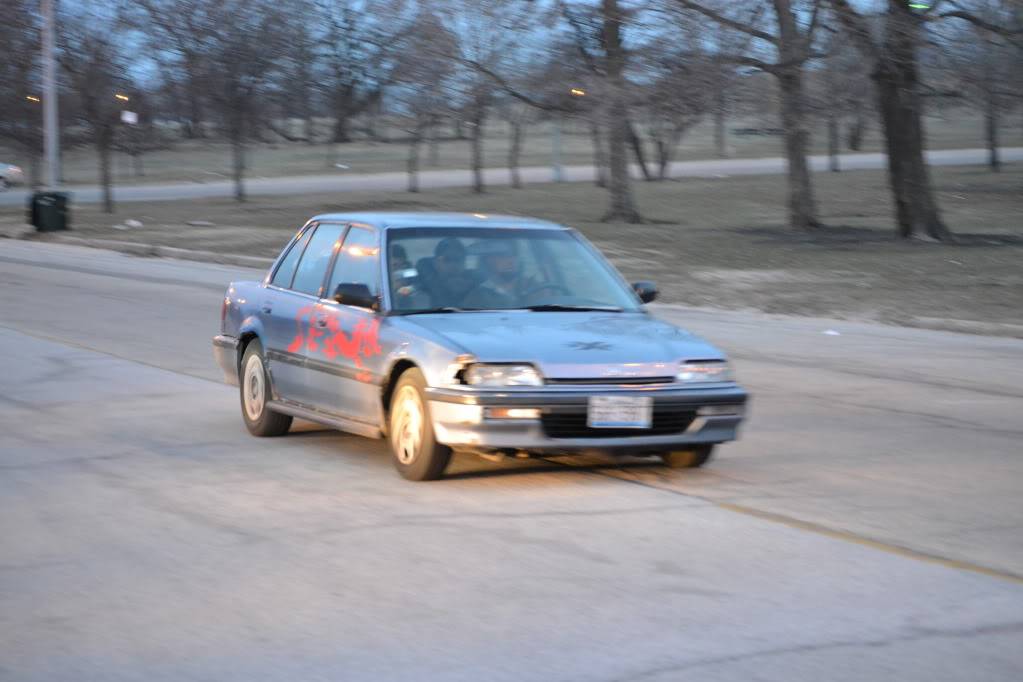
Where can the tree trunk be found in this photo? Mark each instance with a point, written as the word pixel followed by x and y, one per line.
pixel 599 157
pixel 103 149
pixel 433 160
pixel 663 158
pixel 342 133
pixel 637 150
pixel 802 207
pixel 833 143
pixel 720 134
pixel 916 210
pixel 856 130
pixel 991 130
pixel 622 206
pixel 238 165
pixel 513 154
pixel 413 160
pixel 476 142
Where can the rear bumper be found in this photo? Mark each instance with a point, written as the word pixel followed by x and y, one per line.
pixel 225 351
pixel 460 419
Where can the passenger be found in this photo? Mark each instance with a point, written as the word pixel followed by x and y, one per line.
pixel 403 278
pixel 445 276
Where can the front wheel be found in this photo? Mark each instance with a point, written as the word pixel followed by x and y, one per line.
pixel 415 451
pixel 690 458
pixel 255 393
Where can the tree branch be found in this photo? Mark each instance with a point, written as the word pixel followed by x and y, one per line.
pixel 730 23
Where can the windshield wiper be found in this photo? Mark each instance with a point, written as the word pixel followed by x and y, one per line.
pixel 585 308
pixel 425 311
pixel 444 309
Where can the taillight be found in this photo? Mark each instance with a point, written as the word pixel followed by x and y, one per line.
pixel 223 311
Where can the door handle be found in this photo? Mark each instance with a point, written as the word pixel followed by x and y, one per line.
pixel 321 322
pixel 267 307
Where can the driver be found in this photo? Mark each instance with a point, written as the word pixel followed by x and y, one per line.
pixel 505 284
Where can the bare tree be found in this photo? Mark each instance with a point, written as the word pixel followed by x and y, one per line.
pixel 244 44
pixel 599 38
pixel 142 136
pixel 178 36
pixel 487 37
pixel 359 46
pixel 90 55
pixel 21 113
pixel 420 89
pixel 683 85
pixel 895 70
pixel 982 63
pixel 791 43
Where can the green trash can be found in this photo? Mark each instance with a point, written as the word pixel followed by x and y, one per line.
pixel 47 211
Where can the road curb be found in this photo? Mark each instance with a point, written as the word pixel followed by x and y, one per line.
pixel 157 251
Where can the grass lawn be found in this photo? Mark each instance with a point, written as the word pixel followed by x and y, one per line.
pixel 708 242
pixel 208 161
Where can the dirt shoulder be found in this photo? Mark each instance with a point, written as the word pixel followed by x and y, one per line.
pixel 717 242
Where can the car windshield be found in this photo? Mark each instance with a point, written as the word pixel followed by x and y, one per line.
pixel 457 269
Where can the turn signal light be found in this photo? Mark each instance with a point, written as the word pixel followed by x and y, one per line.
pixel 512 413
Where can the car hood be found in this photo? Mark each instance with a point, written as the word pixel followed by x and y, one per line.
pixel 573 345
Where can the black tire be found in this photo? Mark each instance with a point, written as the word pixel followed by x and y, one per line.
pixel 254 392
pixel 690 458
pixel 4 183
pixel 415 452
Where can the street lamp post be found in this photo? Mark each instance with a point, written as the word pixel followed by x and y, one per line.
pixel 51 141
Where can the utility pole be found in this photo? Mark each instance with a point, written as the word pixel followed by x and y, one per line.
pixel 51 140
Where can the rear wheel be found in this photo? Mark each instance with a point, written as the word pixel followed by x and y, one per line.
pixel 254 386
pixel 695 456
pixel 415 451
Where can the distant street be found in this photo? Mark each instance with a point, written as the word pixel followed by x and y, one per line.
pixel 868 526
pixel 344 182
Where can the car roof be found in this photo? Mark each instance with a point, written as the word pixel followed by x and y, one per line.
pixel 385 220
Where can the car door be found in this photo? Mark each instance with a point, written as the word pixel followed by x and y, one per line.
pixel 278 310
pixel 293 339
pixel 348 381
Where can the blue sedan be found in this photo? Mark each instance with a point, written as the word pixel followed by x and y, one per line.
pixel 487 334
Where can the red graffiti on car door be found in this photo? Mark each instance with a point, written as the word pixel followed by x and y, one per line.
pixel 361 344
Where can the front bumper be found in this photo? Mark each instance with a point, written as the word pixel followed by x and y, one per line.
pixel 225 351
pixel 460 420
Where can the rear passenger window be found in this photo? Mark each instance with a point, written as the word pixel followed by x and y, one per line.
pixel 313 266
pixel 286 270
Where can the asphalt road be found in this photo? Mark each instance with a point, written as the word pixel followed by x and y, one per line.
pixel 344 181
pixel 867 527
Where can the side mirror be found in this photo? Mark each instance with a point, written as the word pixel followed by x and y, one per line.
pixel 356 294
pixel 647 291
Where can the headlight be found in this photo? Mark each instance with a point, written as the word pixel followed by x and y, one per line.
pixel 702 372
pixel 502 375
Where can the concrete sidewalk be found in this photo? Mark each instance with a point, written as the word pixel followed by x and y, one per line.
pixel 307 184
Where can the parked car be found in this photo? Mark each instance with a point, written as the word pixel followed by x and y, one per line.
pixel 495 335
pixel 11 175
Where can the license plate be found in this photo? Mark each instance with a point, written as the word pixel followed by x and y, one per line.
pixel 620 412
